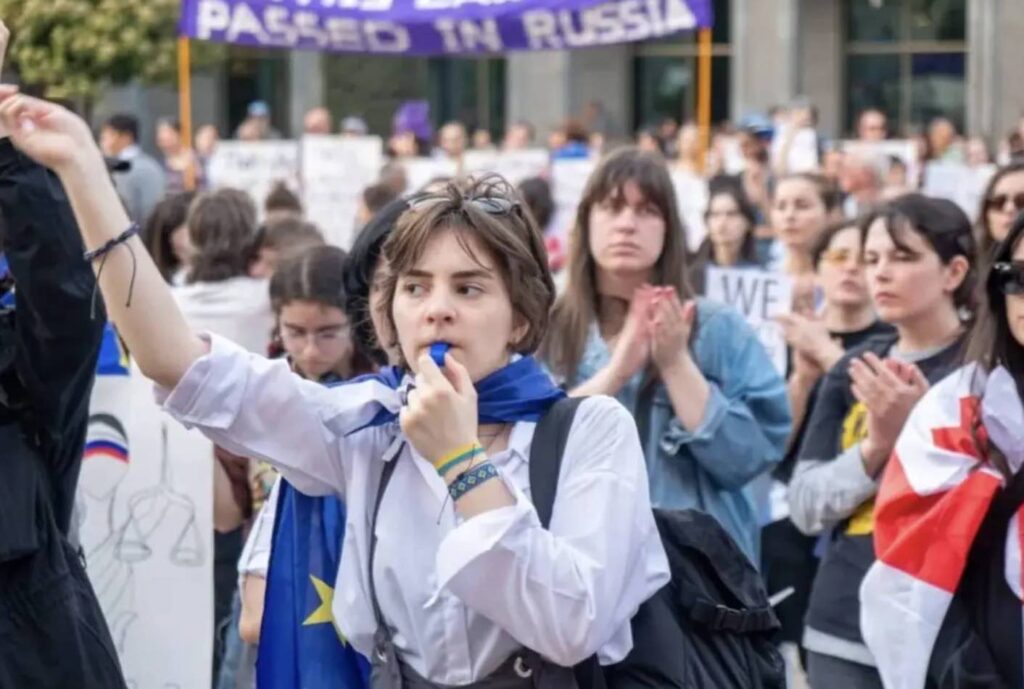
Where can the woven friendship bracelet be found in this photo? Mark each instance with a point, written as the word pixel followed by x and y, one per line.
pixel 456 461
pixel 471 479
pixel 460 454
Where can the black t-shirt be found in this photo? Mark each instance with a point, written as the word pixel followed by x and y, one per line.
pixel 837 423
pixel 784 471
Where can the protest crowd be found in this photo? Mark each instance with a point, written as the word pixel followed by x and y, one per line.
pixel 735 408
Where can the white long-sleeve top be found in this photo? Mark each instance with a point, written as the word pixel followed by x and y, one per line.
pixel 460 596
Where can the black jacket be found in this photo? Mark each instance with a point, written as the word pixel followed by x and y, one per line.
pixel 48 350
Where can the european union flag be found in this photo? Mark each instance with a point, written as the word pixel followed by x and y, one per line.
pixel 299 644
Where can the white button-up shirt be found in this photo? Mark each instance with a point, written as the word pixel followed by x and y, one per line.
pixel 460 596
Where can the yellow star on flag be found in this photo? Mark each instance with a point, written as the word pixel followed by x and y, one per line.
pixel 322 614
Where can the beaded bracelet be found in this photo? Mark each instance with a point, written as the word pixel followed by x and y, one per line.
pixel 456 457
pixel 470 479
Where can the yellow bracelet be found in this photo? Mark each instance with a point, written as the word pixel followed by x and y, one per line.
pixel 460 454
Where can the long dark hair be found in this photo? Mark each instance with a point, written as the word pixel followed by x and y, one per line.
pixel 577 308
pixel 991 343
pixel 724 185
pixel 363 261
pixel 315 274
pixel 167 216
pixel 986 242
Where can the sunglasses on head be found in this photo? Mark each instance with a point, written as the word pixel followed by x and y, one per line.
pixel 1007 277
pixel 492 205
pixel 998 202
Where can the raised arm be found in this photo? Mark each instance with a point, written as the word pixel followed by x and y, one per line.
pixel 137 298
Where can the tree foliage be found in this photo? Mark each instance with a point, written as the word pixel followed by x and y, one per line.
pixel 73 48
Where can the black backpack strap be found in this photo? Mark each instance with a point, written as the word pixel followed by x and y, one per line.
pixel 722 618
pixel 546 452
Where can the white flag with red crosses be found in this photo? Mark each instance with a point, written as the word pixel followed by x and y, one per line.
pixel 935 494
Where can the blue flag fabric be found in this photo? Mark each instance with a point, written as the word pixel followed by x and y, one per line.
pixel 299 644
pixel 521 391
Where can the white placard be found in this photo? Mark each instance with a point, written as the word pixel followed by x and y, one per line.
pixel 146 497
pixel 568 180
pixel 803 150
pixel 421 171
pixel 335 171
pixel 958 183
pixel 692 199
pixel 760 296
pixel 878 152
pixel 255 167
pixel 514 166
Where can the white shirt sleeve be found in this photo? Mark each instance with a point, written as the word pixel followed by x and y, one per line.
pixel 567 591
pixel 257 407
pixel 255 558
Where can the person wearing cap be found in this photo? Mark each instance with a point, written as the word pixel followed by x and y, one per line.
pixel 142 183
pixel 256 125
pixel 354 125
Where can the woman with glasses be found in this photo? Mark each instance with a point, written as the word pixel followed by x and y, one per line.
pixel 695 376
pixel 948 518
pixel 314 334
pixel 918 256
pixel 443 580
pixel 1001 203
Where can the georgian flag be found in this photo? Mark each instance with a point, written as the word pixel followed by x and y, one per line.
pixel 935 494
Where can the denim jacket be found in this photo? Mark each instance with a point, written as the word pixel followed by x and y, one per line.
pixel 743 433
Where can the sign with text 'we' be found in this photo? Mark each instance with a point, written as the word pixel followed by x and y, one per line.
pixel 760 296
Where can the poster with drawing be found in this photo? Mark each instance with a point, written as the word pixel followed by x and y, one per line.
pixel 760 296
pixel 255 167
pixel 146 498
pixel 335 171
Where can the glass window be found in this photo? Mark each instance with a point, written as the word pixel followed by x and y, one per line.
pixel 937 88
pixel 906 57
pixel 873 81
pixel 938 20
pixel 667 87
pixel 867 21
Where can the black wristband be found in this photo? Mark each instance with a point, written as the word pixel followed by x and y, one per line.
pixel 132 230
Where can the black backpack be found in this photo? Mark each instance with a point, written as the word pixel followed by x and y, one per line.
pixel 710 627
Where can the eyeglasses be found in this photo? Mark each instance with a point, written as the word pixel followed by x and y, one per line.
pixel 324 337
pixel 1007 278
pixel 838 257
pixel 998 202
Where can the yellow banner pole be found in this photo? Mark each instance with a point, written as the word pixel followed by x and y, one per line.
pixel 185 106
pixel 704 93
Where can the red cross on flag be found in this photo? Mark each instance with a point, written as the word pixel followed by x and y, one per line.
pixel 935 494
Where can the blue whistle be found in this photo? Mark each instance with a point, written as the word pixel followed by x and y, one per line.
pixel 437 352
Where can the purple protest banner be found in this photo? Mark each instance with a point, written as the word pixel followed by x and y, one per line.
pixel 438 27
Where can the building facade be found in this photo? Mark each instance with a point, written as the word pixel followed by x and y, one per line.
pixel 915 59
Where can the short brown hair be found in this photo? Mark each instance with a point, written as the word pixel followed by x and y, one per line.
pixel 288 233
pixel 490 211
pixel 222 227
